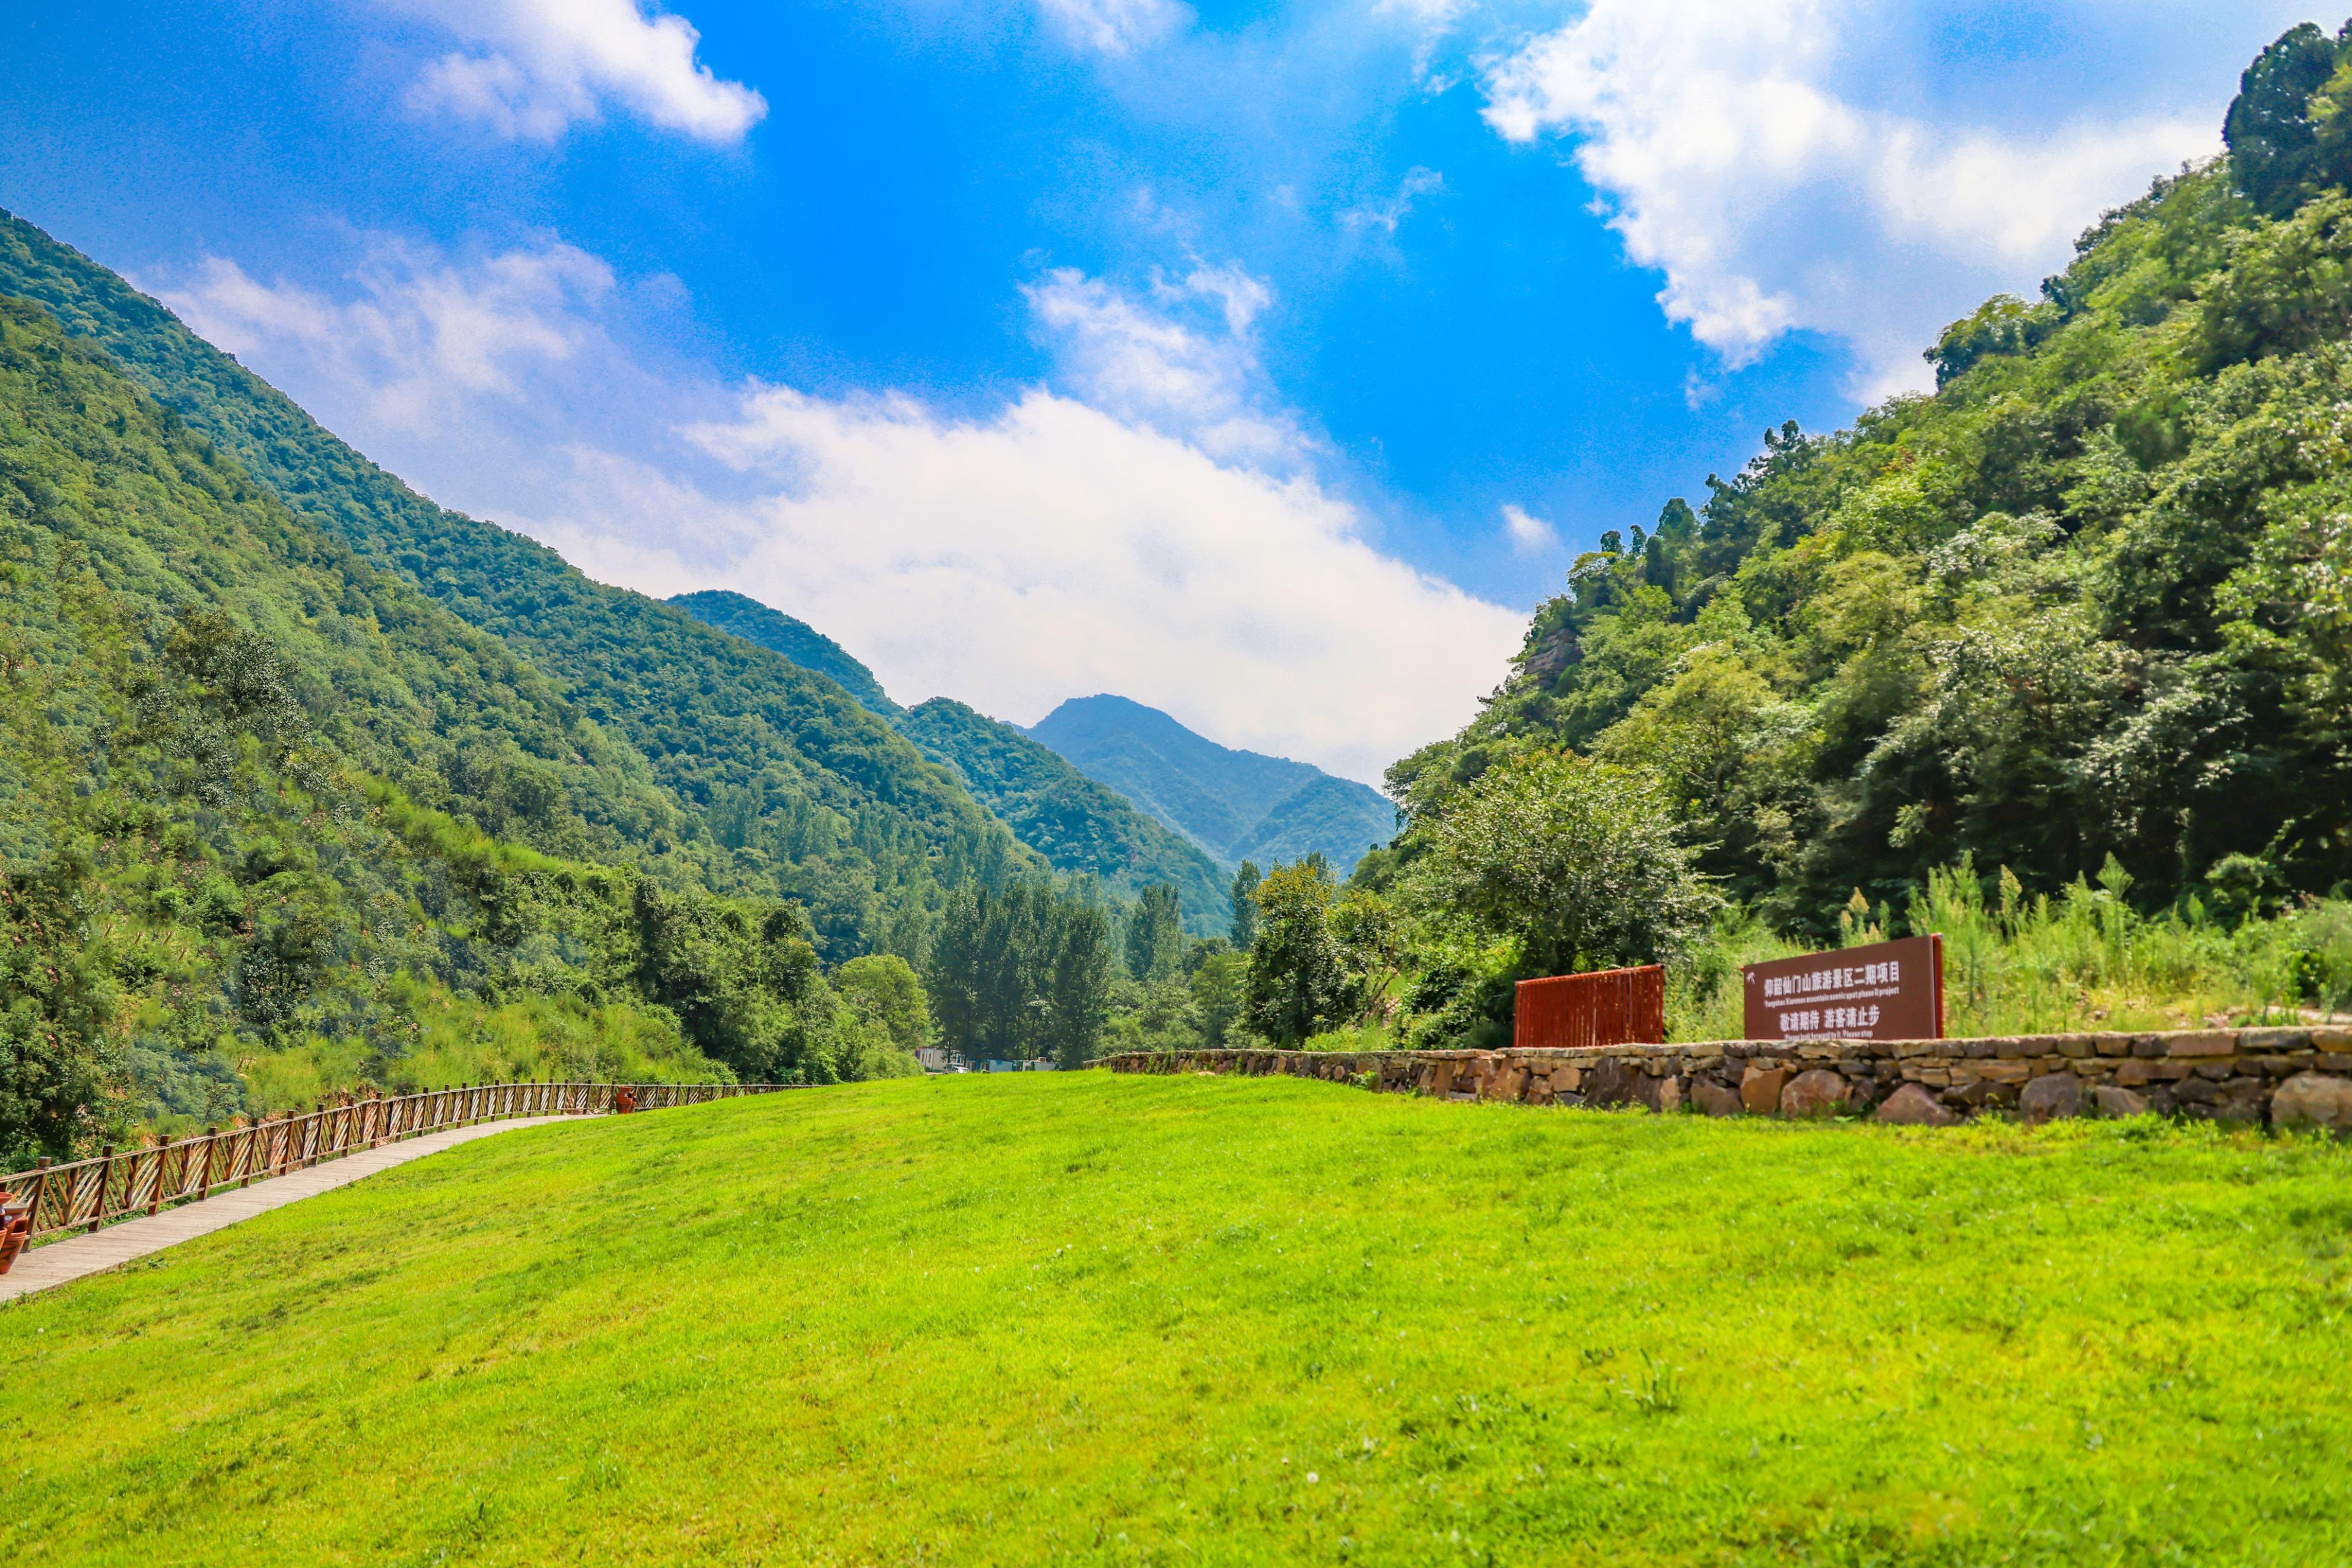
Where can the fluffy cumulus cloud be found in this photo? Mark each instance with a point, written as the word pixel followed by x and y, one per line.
pixel 1733 152
pixel 1055 551
pixel 1149 523
pixel 530 69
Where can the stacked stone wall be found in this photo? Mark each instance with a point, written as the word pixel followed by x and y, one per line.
pixel 2284 1076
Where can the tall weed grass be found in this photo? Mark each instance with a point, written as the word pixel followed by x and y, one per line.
pixel 2083 960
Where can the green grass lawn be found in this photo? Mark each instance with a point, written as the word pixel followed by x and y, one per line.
pixel 1031 1318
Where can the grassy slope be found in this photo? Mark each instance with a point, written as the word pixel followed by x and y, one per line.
pixel 1108 1319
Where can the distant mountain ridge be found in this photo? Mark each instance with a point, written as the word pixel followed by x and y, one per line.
pixel 1081 827
pixel 1235 805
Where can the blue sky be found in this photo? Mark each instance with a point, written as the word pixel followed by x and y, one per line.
pixel 1262 363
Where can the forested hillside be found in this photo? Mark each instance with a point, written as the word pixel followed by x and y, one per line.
pixel 231 758
pixel 787 787
pixel 2092 598
pixel 1237 805
pixel 795 639
pixel 1082 828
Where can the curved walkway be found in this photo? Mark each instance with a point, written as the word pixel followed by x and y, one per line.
pixel 41 1267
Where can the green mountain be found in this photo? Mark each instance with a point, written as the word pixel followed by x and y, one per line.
pixel 273 820
pixel 1235 805
pixel 784 786
pixel 2090 599
pixel 798 640
pixel 1080 826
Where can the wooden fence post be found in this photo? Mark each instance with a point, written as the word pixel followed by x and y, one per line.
pixel 105 1171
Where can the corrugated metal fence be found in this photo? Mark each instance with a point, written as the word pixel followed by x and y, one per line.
pixel 1608 1007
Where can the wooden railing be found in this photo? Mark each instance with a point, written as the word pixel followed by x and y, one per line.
pixel 83 1195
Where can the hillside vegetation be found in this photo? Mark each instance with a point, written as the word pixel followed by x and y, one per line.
pixel 1079 827
pixel 797 640
pixel 230 751
pixel 2071 634
pixel 2087 599
pixel 1082 828
pixel 787 788
pixel 1083 1318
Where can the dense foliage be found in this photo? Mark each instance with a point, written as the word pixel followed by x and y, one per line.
pixel 1082 828
pixel 1576 861
pixel 781 785
pixel 260 797
pixel 2087 600
pixel 795 639
pixel 1023 973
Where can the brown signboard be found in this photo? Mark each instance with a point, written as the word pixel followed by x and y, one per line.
pixel 1885 990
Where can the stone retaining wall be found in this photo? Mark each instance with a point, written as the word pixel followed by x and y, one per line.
pixel 2286 1076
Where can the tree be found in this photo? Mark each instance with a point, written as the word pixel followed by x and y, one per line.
pixel 1245 893
pixel 1220 987
pixel 882 989
pixel 2270 130
pixel 1155 935
pixel 61 1070
pixel 1300 980
pixel 1371 931
pixel 953 975
pixel 989 965
pixel 1576 861
pixel 1077 994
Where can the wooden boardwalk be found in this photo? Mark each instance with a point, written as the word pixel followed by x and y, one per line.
pixel 58 1262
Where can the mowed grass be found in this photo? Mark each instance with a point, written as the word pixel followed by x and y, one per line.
pixel 1096 1319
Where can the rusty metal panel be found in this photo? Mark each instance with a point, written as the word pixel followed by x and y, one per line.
pixel 1607 1006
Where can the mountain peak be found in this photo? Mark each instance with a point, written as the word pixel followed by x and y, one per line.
pixel 1232 803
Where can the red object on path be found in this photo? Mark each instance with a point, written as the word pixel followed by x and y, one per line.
pixel 624 1100
pixel 1608 1007
pixel 16 1230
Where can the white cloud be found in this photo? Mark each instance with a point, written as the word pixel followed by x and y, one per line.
pixel 1152 525
pixel 1052 551
pixel 1729 157
pixel 1528 535
pixel 1115 26
pixel 1387 214
pixel 424 336
pixel 534 67
pixel 1184 364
